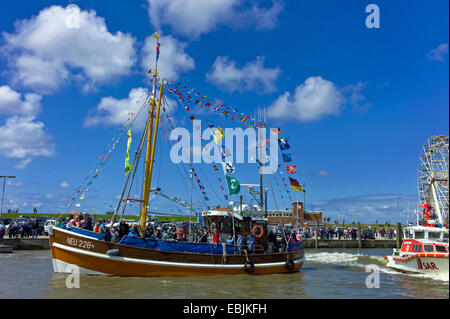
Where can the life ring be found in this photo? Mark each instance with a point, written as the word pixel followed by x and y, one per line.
pixel 261 231
pixel 249 267
pixel 290 265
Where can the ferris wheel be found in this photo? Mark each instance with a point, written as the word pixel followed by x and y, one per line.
pixel 432 179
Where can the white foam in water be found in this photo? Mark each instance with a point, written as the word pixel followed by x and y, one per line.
pixel 333 258
pixel 440 277
pixel 352 260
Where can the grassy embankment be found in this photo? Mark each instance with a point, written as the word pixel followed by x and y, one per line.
pixel 107 216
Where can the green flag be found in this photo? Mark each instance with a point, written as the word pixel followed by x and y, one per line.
pixel 233 185
pixel 128 165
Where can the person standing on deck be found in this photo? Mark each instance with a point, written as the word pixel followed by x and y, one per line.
pixel 216 236
pixel 239 243
pixel 251 243
pixel 123 229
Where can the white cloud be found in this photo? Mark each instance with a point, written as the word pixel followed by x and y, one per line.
pixel 322 173
pixel 23 138
pixel 439 53
pixel 312 100
pixel 172 60
pixel 23 163
pixel 370 208
pixel 11 103
pixel 356 98
pixel 252 76
pixel 64 184
pixel 112 111
pixel 13 183
pixel 317 98
pixel 45 53
pixel 192 18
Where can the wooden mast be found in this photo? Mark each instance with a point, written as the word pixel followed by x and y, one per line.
pixel 151 143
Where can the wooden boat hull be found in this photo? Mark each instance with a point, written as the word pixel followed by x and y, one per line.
pixel 90 256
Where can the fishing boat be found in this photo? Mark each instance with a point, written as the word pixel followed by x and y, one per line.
pixel 138 257
pixel 425 246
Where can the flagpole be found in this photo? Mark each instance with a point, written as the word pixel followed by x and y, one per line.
pixel 298 204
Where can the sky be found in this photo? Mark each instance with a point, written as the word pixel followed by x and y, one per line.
pixel 356 103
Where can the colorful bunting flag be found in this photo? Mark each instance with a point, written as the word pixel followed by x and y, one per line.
pixel 228 168
pixel 283 143
pixel 291 169
pixel 286 157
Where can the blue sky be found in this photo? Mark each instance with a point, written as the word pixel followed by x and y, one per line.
pixel 375 95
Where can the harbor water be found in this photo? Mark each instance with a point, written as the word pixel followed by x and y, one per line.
pixel 327 273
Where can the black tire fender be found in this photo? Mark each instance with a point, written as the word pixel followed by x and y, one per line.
pixel 249 267
pixel 290 265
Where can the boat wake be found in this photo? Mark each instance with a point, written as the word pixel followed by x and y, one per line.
pixel 362 260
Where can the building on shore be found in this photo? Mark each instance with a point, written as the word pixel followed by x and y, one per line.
pixel 274 217
pixel 294 216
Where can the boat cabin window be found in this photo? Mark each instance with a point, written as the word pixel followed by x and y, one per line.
pixel 446 237
pixel 434 235
pixel 419 234
pixel 440 249
pixel 428 247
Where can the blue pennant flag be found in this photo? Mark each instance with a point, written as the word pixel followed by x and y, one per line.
pixel 284 145
pixel 287 157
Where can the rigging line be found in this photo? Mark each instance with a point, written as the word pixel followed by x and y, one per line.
pixel 140 148
pixel 179 170
pixel 82 187
pixel 213 189
pixel 188 178
pixel 165 133
pixel 177 208
pixel 197 192
pixel 135 165
pixel 278 211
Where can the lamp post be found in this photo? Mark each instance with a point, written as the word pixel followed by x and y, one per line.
pixel 191 171
pixel 3 192
pixel 398 205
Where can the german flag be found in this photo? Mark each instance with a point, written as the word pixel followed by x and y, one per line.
pixel 295 184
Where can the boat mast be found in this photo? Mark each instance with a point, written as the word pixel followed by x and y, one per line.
pixel 151 141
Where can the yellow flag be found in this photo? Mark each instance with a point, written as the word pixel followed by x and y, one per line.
pixel 218 135
pixel 128 165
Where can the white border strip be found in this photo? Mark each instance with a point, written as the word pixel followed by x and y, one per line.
pixel 75 233
pixel 165 263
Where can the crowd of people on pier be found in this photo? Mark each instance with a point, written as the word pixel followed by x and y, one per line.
pixel 23 229
pixel 328 233
pixel 276 239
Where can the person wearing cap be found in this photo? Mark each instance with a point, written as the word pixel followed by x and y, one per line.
pixel 133 232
